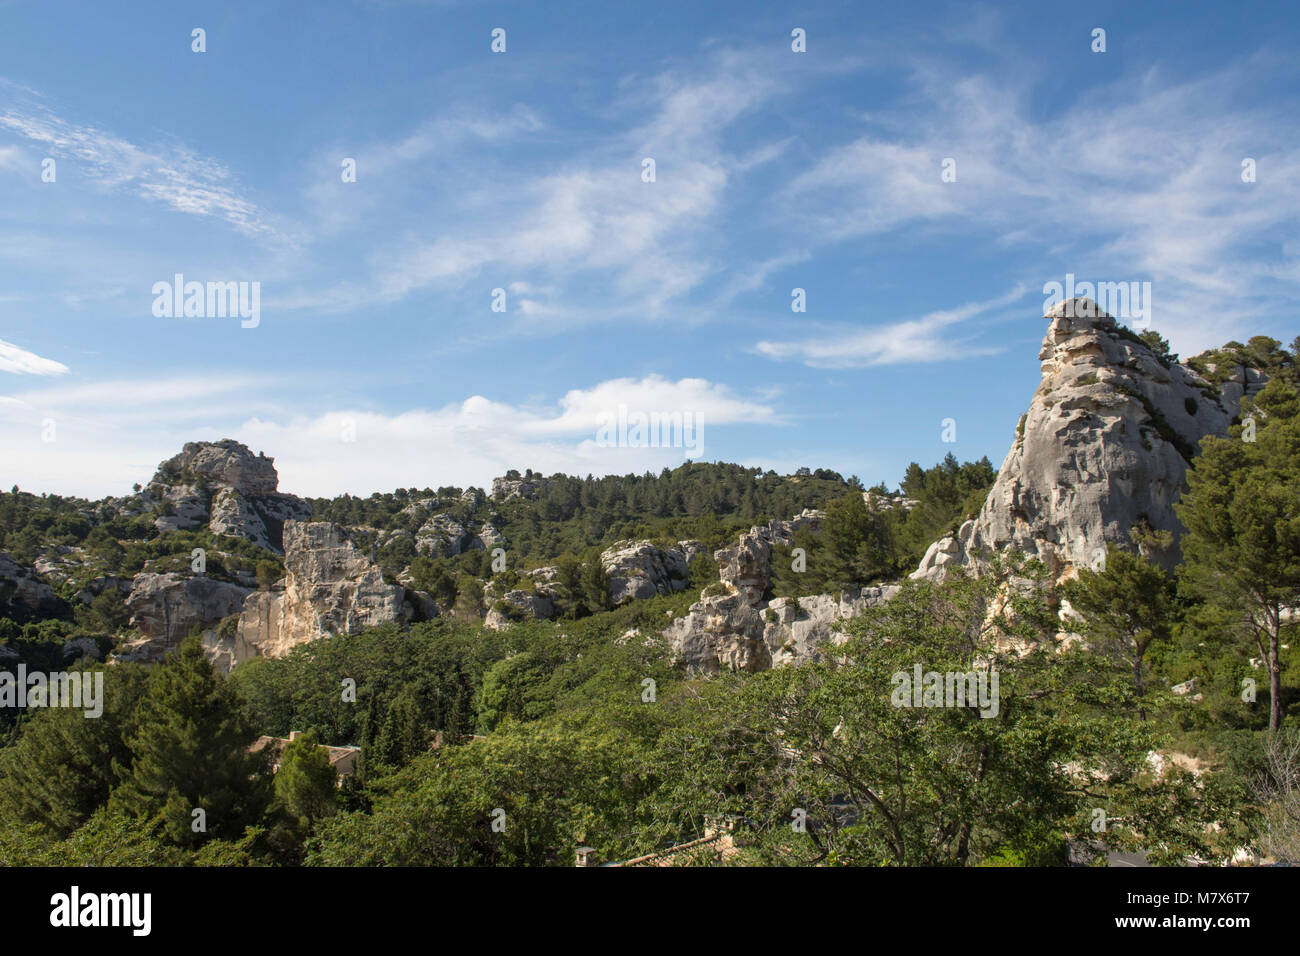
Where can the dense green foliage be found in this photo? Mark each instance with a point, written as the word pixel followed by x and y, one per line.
pixel 863 542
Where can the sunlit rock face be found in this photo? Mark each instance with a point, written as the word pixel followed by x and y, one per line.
pixel 1104 447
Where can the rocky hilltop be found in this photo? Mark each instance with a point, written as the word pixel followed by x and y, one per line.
pixel 223 486
pixel 1104 448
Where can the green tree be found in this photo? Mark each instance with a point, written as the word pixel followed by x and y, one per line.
pixel 60 770
pixel 882 782
pixel 268 572
pixel 189 751
pixel 595 587
pixel 404 734
pixel 306 783
pixel 1126 608
pixel 512 688
pixel 1242 513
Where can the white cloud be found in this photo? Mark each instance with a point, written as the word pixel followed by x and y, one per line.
pixel 927 339
pixel 22 362
pixel 110 435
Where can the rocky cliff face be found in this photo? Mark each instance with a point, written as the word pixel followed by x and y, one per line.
pixel 167 608
pixel 506 489
pixel 225 486
pixel 329 588
pixel 1104 447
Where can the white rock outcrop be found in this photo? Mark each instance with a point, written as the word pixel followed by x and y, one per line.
pixel 734 627
pixel 638 569
pixel 1104 447
pixel 442 536
pixel 726 632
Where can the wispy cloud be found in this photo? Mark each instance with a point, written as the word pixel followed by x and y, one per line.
pixel 589 218
pixel 173 175
pixel 927 339
pixel 22 362
pixel 1124 181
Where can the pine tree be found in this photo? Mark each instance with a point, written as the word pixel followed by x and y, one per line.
pixel 61 769
pixel 189 752
pixel 404 734
pixel 306 783
pixel 1242 512
pixel 1126 608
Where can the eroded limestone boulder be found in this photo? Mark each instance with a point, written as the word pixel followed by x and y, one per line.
pixel 638 569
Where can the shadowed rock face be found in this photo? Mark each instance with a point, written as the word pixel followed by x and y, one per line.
pixel 22 594
pixel 330 588
pixel 166 608
pixel 1104 446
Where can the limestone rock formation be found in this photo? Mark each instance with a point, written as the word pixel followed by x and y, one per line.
pixel 167 608
pixel 734 627
pixel 747 567
pixel 505 489
pixel 724 632
pixel 225 462
pixel 225 486
pixel 330 587
pixel 1104 447
pixel 638 569
pixel 487 538
pixel 420 507
pixel 519 605
pixel 442 536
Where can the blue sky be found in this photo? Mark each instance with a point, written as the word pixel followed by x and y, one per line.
pixel 522 171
